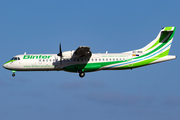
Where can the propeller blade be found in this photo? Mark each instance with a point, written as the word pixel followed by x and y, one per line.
pixel 60 51
pixel 60 54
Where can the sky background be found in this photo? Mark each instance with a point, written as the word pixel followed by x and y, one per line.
pixel 38 26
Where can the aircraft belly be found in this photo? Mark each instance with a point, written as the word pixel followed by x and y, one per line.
pixel 90 67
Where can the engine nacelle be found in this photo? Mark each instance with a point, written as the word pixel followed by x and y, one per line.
pixel 67 54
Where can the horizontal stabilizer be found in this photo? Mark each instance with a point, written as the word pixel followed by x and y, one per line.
pixel 165 58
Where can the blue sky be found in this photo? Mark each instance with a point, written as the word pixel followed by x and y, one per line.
pixel 150 92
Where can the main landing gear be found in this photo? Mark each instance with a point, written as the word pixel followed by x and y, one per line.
pixel 81 74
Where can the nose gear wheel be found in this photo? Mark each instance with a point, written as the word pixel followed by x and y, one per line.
pixel 13 74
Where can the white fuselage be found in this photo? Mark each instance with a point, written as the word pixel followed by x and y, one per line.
pixel 48 62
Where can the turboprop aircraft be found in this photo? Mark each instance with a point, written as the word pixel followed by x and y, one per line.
pixel 82 60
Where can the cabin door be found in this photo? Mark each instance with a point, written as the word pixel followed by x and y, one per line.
pixel 130 62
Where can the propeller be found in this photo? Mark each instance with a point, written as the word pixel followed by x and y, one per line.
pixel 60 54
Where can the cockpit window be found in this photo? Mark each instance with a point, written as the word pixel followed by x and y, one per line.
pixel 15 58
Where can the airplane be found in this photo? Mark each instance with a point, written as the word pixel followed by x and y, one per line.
pixel 82 60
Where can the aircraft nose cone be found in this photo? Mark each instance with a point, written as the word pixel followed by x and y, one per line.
pixel 5 65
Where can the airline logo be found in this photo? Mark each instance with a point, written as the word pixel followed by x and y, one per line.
pixel 37 56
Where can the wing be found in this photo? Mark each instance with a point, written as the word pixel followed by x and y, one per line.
pixel 83 51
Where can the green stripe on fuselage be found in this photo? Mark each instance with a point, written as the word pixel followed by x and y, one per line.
pixel 95 66
pixel 9 61
pixel 89 67
pixel 148 61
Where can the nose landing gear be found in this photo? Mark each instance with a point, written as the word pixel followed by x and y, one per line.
pixel 13 74
pixel 13 71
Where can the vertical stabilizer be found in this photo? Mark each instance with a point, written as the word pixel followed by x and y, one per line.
pixel 164 38
pixel 157 50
